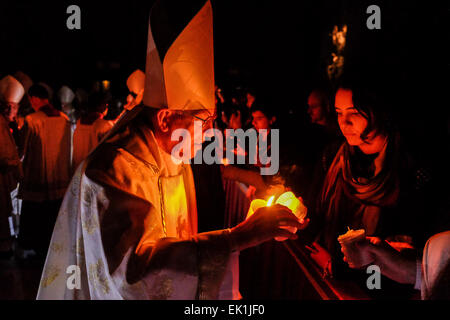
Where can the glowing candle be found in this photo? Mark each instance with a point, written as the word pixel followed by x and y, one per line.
pixel 287 199
pixel 270 201
pixel 255 205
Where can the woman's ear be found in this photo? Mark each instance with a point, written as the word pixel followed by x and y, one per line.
pixel 162 118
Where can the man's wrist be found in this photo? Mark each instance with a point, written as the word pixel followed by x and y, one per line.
pixel 234 239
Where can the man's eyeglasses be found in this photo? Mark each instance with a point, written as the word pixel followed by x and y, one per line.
pixel 205 122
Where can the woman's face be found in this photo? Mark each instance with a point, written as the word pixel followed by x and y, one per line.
pixel 351 121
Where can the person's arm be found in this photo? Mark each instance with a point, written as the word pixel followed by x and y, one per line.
pixel 129 224
pixel 392 263
pixel 248 177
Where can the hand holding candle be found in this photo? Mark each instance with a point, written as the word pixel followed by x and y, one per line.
pixel 287 199
pixel 356 258
pixel 264 224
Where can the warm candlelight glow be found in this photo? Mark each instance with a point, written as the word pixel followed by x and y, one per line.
pixel 106 84
pixel 270 201
pixel 287 199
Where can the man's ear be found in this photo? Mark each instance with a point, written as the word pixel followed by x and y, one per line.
pixel 162 118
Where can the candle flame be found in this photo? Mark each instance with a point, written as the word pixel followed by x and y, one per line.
pixel 270 201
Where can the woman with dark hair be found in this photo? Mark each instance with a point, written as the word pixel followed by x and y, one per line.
pixel 372 182
pixel 364 170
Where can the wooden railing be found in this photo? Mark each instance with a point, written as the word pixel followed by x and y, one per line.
pixel 325 286
pixel 285 270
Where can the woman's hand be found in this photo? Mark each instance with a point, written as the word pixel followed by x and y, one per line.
pixel 321 256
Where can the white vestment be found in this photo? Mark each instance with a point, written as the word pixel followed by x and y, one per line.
pixel 46 149
pixel 128 224
pixel 86 137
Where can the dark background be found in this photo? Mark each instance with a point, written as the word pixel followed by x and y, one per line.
pixel 280 47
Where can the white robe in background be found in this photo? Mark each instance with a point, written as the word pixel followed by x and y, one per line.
pixel 86 137
pixel 46 163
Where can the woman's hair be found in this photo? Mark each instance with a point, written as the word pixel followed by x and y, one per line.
pixel 370 99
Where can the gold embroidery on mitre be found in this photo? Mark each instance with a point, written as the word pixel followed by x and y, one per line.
pixel 51 273
pixel 162 288
pixel 97 276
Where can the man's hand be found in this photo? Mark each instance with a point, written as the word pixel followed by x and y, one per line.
pixel 265 224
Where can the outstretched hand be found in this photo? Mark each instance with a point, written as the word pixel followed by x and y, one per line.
pixel 265 224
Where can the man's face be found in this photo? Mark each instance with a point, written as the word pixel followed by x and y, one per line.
pixel 315 109
pixel 35 103
pixel 13 110
pixel 351 121
pixel 260 121
pixel 196 123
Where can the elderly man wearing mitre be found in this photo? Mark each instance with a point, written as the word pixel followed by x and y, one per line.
pixel 11 92
pixel 127 228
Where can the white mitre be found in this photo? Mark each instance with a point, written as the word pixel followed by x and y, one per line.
pixel 24 79
pixel 66 95
pixel 11 89
pixel 136 84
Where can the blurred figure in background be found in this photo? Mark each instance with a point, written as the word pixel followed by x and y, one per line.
pixel 323 122
pixel 90 128
pixel 66 97
pixel 11 92
pixel 251 97
pixel 25 107
pixel 319 107
pixel 45 146
pixel 49 90
pixel 135 85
